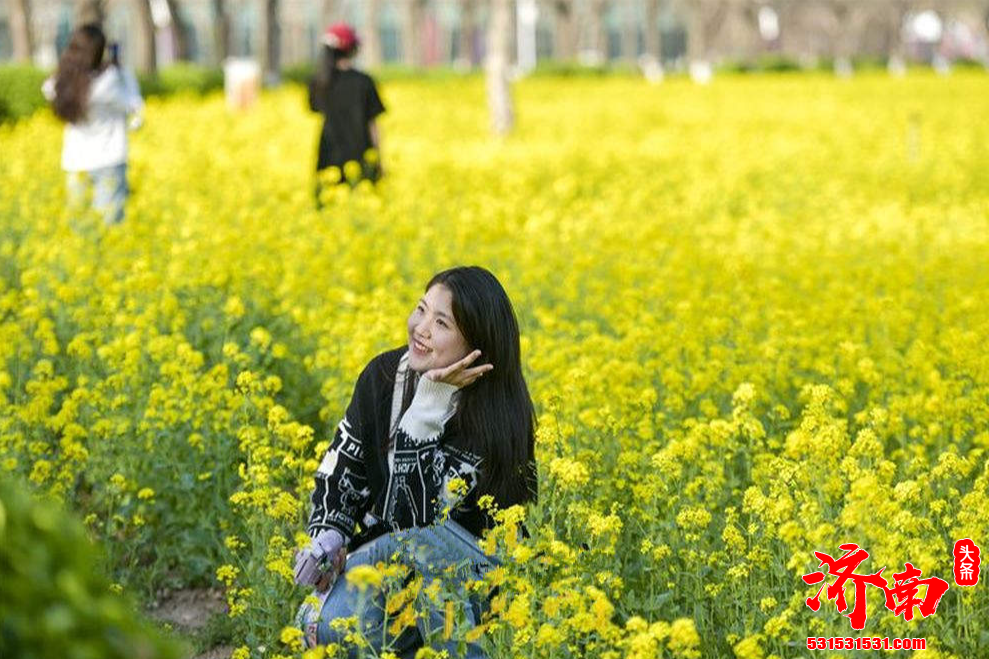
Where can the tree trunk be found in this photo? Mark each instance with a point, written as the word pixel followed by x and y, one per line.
pixel 271 41
pixel 411 20
pixel 714 19
pixel 705 20
pixel 148 58
pixel 598 30
pixel 653 39
pixel 630 33
pixel 842 41
pixel 747 38
pixel 897 13
pixel 465 43
pixel 696 48
pixel 181 31
pixel 985 22
pixel 91 11
pixel 564 31
pixel 328 13
pixel 221 32
pixel 652 58
pixel 20 30
pixel 785 43
pixel 372 36
pixel 499 92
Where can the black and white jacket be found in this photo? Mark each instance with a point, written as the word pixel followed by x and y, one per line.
pixel 381 485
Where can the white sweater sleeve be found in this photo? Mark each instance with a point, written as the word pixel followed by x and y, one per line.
pixel 429 411
pixel 133 102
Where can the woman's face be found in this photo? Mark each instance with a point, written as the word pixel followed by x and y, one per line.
pixel 435 340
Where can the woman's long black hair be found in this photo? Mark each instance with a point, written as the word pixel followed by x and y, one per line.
pixel 81 58
pixel 319 87
pixel 495 413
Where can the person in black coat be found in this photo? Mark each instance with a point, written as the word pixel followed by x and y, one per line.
pixel 349 102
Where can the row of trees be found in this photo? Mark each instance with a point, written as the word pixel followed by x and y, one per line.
pixel 498 58
pixel 95 11
pixel 578 26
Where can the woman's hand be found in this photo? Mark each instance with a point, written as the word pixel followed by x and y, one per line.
pixel 457 373
pixel 337 565
pixel 319 564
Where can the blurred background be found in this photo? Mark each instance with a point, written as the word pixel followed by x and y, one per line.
pixel 283 34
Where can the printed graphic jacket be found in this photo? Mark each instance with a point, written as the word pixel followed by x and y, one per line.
pixel 362 481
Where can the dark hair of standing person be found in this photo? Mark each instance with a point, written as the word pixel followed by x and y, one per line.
pixel 495 413
pixel 81 58
pixel 325 69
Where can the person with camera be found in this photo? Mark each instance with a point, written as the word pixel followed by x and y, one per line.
pixel 95 97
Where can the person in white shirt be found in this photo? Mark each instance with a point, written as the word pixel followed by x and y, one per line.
pixel 94 98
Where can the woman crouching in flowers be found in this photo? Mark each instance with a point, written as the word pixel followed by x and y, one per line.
pixel 431 427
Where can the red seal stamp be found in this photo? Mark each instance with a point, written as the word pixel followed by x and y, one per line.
pixel 967 560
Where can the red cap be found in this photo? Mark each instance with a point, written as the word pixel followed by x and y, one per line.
pixel 341 36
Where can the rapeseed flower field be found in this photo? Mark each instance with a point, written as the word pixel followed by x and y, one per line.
pixel 754 319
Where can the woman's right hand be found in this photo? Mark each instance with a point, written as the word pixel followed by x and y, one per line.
pixel 336 568
pixel 458 374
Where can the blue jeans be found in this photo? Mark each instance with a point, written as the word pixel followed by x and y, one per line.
pixel 428 551
pixel 109 191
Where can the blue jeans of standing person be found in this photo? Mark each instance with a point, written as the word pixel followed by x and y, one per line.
pixel 109 191
pixel 429 551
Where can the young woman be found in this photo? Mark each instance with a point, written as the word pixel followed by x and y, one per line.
pixel 452 404
pixel 94 98
pixel 349 101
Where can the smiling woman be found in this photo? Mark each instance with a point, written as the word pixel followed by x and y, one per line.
pixel 431 427
pixel 434 338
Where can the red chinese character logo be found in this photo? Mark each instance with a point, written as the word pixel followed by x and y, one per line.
pixel 967 562
pixel 844 569
pixel 903 594
pixel 901 598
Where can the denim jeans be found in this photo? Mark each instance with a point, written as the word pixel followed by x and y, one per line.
pixel 109 191
pixel 428 551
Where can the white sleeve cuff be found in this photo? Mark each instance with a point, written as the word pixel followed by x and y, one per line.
pixel 431 408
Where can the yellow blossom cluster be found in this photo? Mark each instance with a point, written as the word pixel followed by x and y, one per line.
pixel 753 324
